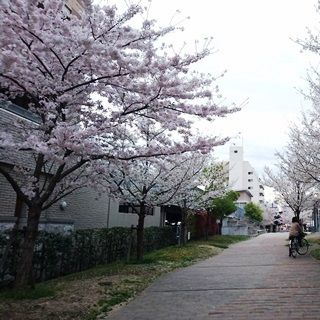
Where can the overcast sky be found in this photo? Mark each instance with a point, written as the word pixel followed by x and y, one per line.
pixel 254 42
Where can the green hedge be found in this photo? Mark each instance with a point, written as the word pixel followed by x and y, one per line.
pixel 57 254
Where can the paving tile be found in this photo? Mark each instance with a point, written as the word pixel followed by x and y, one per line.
pixel 251 280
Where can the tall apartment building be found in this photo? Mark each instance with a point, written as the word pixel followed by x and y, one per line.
pixel 243 177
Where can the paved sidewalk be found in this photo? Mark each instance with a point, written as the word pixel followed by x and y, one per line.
pixel 254 279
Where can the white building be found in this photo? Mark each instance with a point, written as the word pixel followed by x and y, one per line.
pixel 242 176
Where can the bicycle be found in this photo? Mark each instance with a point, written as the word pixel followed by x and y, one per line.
pixel 298 246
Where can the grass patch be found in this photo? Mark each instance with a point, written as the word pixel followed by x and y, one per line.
pixel 179 256
pixel 314 240
pixel 98 271
pixel 40 291
pixel 115 297
pixel 315 254
pixel 223 242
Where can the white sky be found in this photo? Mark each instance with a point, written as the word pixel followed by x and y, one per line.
pixel 252 39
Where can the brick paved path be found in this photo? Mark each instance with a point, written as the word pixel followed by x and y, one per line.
pixel 254 279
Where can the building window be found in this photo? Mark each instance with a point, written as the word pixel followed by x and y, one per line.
pixel 250 180
pixel 250 172
pixel 127 208
pixel 235 151
pixel 249 188
pixel 261 194
pixel 20 111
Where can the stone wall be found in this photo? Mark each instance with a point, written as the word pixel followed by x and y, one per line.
pixel 234 226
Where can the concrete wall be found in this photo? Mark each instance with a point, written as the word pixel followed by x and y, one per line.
pixel 128 219
pixel 234 226
pixel 235 231
pixel 90 211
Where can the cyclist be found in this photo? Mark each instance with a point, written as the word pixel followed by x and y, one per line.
pixel 295 231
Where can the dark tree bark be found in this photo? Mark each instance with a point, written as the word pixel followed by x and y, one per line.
pixel 183 226
pixel 220 226
pixel 207 226
pixel 183 230
pixel 24 270
pixel 140 231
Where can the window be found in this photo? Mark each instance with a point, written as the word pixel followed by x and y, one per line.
pixel 20 111
pixel 124 208
pixel 250 172
pixel 261 194
pixel 128 208
pixel 249 188
pixel 235 151
pixel 250 180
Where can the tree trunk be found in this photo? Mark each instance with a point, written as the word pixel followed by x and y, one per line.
pixel 220 226
pixel 24 270
pixel 207 226
pixel 140 229
pixel 183 226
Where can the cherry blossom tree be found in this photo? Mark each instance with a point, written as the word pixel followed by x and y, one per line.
pixel 304 136
pixel 86 80
pixel 304 144
pixel 213 182
pixel 294 188
pixel 170 179
pixel 299 170
pixel 146 183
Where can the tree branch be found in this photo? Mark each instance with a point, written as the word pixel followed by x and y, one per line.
pixel 15 186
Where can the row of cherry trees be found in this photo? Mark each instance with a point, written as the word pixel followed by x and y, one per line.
pixel 298 167
pixel 114 107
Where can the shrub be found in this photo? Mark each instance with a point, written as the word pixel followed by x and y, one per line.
pixel 58 254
